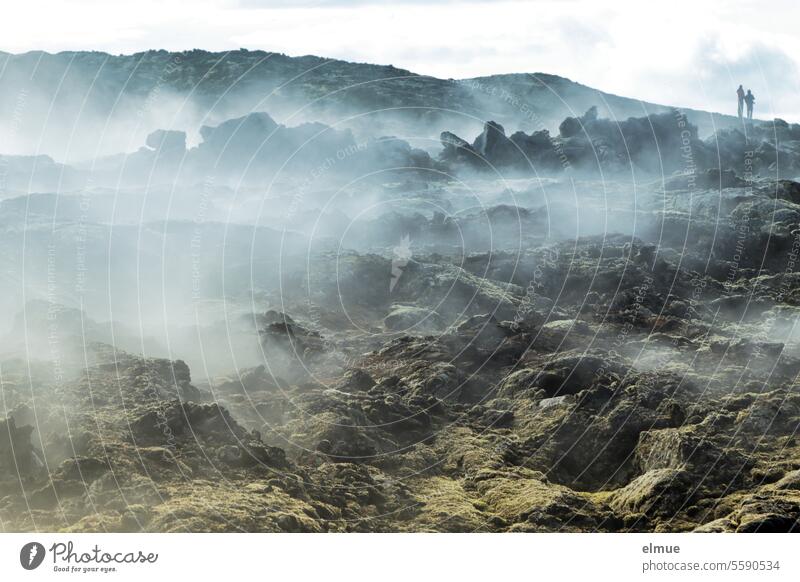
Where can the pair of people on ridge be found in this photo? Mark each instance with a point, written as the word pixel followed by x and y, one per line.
pixel 745 99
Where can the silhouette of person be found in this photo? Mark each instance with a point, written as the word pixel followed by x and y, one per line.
pixel 740 96
pixel 749 99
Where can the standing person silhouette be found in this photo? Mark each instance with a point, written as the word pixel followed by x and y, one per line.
pixel 749 99
pixel 740 97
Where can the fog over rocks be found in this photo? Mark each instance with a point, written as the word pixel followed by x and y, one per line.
pixel 78 105
pixel 334 321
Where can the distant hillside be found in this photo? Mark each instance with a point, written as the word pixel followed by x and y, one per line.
pixel 73 105
pixel 555 98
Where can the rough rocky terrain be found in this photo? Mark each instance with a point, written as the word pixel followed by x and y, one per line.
pixel 607 382
pixel 98 92
pixel 285 327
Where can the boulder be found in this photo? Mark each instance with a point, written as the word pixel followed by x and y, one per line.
pixel 660 492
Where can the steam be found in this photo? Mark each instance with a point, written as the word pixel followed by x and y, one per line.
pixel 168 215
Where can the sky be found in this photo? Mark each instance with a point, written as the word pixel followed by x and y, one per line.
pixel 683 53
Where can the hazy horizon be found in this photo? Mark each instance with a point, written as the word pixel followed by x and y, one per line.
pixel 689 55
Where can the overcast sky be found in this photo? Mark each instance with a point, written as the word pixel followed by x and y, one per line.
pixel 687 53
